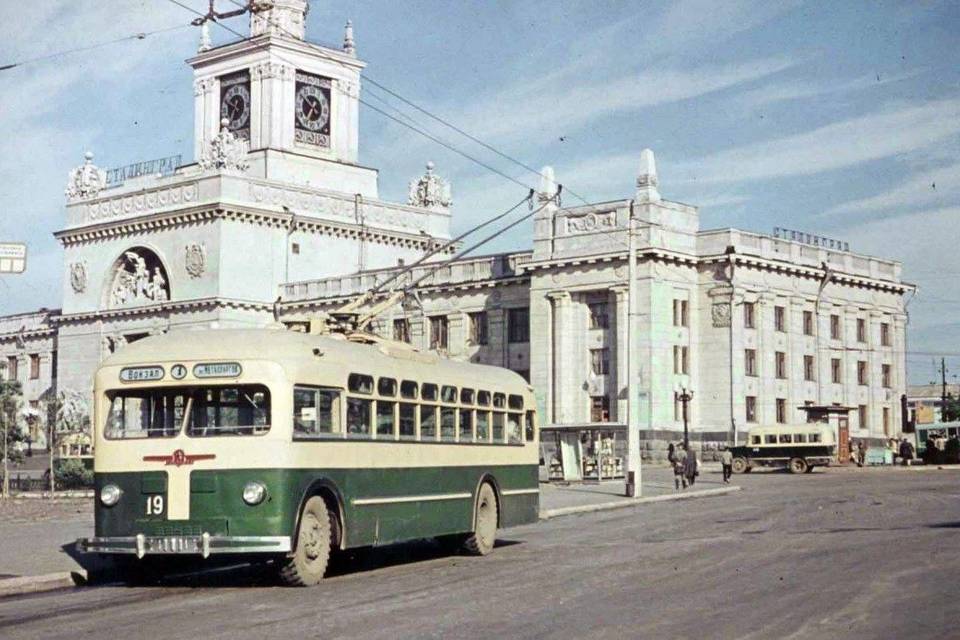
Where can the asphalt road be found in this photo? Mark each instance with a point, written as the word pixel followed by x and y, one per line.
pixel 839 554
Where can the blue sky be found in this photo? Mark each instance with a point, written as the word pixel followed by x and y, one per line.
pixel 836 118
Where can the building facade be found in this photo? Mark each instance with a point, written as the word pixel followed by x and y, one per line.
pixel 276 220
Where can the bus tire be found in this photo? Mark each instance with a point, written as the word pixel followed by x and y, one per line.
pixel 739 465
pixel 308 564
pixel 480 542
pixel 798 465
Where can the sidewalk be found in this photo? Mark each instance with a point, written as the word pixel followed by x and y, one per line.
pixel 656 481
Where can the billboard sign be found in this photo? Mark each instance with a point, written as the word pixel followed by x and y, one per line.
pixel 13 257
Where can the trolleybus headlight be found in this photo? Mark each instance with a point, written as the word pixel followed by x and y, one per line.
pixel 254 493
pixel 110 495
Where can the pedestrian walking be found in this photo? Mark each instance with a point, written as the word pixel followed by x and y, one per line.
pixel 861 453
pixel 679 464
pixel 690 465
pixel 726 461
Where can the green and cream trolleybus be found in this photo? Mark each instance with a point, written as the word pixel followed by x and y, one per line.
pixel 287 446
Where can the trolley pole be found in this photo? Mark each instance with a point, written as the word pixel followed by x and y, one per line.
pixel 633 471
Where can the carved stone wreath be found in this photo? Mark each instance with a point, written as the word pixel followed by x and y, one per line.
pixel 195 259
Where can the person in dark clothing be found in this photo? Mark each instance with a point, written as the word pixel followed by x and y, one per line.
pixel 726 460
pixel 861 453
pixel 690 465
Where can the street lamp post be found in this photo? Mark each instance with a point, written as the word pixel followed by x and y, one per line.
pixel 684 397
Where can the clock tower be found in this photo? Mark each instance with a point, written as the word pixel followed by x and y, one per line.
pixel 295 103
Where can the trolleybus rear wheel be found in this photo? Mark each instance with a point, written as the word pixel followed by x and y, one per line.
pixel 798 465
pixel 309 560
pixel 480 542
pixel 739 465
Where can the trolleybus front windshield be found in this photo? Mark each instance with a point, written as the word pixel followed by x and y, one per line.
pixel 202 411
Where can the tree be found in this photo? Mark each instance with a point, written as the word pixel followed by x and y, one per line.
pixel 67 414
pixel 951 410
pixel 11 402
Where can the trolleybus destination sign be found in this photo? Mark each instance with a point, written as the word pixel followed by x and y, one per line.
pixel 139 374
pixel 217 370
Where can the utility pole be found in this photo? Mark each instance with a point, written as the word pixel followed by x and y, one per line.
pixel 943 389
pixel 633 471
pixel 6 470
pixel 684 397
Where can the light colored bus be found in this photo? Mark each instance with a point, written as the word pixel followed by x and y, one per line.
pixel 799 448
pixel 287 445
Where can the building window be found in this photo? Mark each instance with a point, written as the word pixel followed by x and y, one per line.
pixel 600 361
pixel 751 408
pixel 835 371
pixel 599 316
pixel 861 372
pixel 808 323
pixel 599 409
pixel 401 330
pixel 748 315
pixel 885 334
pixel 681 313
pixel 438 332
pixel 885 374
pixel 780 318
pixel 808 368
pixel 861 330
pixel 478 327
pixel 834 327
pixel 518 325
pixel 681 361
pixel 780 359
pixel 862 415
pixel 750 361
pixel 34 366
pixel 781 410
pixel 11 367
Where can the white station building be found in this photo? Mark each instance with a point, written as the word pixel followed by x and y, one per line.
pixel 277 218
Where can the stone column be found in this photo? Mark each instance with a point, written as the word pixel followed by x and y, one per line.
pixel 559 352
pixel 621 319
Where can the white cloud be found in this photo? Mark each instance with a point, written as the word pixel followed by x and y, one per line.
pixel 929 187
pixel 881 134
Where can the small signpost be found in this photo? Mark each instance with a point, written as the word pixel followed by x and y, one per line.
pixel 13 257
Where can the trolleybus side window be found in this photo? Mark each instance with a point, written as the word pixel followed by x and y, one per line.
pixel 315 412
pixel 429 392
pixel 516 402
pixel 466 424
pixel 448 423
pixel 408 420
pixel 800 438
pixel 408 390
pixel 771 438
pixel 754 439
pixel 498 418
pixel 358 416
pixel 387 387
pixel 145 413
pixel 428 420
pixel 815 437
pixel 513 427
pixel 483 425
pixel 483 398
pixel 385 419
pixel 359 383
pixel 466 396
pixel 499 400
pixel 530 427
pixel 448 394
pixel 785 438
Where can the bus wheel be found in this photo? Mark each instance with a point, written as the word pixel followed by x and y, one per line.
pixel 798 465
pixel 309 561
pixel 739 465
pixel 480 542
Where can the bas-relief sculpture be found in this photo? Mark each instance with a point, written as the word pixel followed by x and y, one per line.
pixel 195 259
pixel 430 191
pixel 225 152
pixel 134 282
pixel 591 222
pixel 720 314
pixel 78 276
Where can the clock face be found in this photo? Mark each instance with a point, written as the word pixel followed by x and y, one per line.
pixel 313 108
pixel 235 106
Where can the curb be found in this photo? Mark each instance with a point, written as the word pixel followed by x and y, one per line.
pixel 38 584
pixel 71 494
pixel 633 502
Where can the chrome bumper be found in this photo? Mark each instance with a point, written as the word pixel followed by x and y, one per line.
pixel 202 545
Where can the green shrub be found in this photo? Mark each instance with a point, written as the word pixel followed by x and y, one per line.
pixel 73 473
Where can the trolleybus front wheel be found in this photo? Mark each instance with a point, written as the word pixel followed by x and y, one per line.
pixel 798 465
pixel 308 563
pixel 480 542
pixel 739 465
